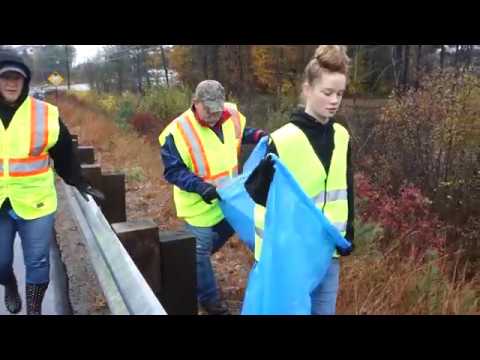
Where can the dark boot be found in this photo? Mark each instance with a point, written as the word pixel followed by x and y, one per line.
pixel 35 294
pixel 13 302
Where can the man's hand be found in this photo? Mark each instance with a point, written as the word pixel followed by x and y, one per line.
pixel 260 134
pixel 346 252
pixel 210 194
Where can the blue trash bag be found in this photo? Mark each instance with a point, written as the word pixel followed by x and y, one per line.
pixel 236 203
pixel 297 250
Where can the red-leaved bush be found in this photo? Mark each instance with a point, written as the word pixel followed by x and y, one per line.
pixel 406 218
pixel 144 123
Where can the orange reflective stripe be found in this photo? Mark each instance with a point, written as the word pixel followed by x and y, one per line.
pixel 216 177
pixel 233 171
pixel 38 127
pixel 195 147
pixel 1 167
pixel 220 179
pixel 190 150
pixel 28 166
pixel 202 150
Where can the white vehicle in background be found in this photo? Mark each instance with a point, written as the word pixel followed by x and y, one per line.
pixel 37 93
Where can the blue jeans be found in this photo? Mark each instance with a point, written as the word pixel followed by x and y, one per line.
pixel 324 297
pixel 36 236
pixel 209 241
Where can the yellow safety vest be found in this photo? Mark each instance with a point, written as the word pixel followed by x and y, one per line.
pixel 328 193
pixel 207 157
pixel 25 174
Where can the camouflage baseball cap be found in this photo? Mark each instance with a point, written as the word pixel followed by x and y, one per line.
pixel 212 94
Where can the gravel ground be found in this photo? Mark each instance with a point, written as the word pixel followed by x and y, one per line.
pixel 85 294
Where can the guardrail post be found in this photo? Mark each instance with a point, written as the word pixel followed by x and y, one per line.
pixel 93 173
pixel 86 154
pixel 140 239
pixel 114 206
pixel 75 144
pixel 178 273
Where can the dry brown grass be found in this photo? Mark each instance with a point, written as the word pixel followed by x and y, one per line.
pixel 391 285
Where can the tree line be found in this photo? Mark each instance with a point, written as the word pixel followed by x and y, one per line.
pixel 244 69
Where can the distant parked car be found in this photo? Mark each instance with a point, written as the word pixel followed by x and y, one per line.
pixel 38 94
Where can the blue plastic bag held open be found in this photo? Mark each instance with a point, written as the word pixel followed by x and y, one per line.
pixel 297 251
pixel 298 242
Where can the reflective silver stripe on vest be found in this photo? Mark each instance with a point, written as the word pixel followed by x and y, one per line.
pixel 341 227
pixel 236 122
pixel 196 147
pixel 1 166
pixel 17 168
pixel 40 127
pixel 259 232
pixel 334 195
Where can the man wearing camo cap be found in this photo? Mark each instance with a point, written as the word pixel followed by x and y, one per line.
pixel 200 151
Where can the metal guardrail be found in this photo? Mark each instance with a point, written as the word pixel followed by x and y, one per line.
pixel 124 287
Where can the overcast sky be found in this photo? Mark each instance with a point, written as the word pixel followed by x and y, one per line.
pixel 85 52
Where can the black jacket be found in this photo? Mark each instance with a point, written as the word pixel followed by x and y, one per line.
pixel 321 137
pixel 66 163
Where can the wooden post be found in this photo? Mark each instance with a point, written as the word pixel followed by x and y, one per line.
pixel 178 273
pixel 140 239
pixel 75 144
pixel 86 155
pixel 114 206
pixel 93 173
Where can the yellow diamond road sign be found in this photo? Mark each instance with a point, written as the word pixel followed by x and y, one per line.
pixel 55 78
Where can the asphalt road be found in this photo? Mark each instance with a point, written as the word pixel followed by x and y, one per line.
pixel 56 298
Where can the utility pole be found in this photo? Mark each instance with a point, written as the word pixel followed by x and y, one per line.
pixel 165 65
pixel 67 62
